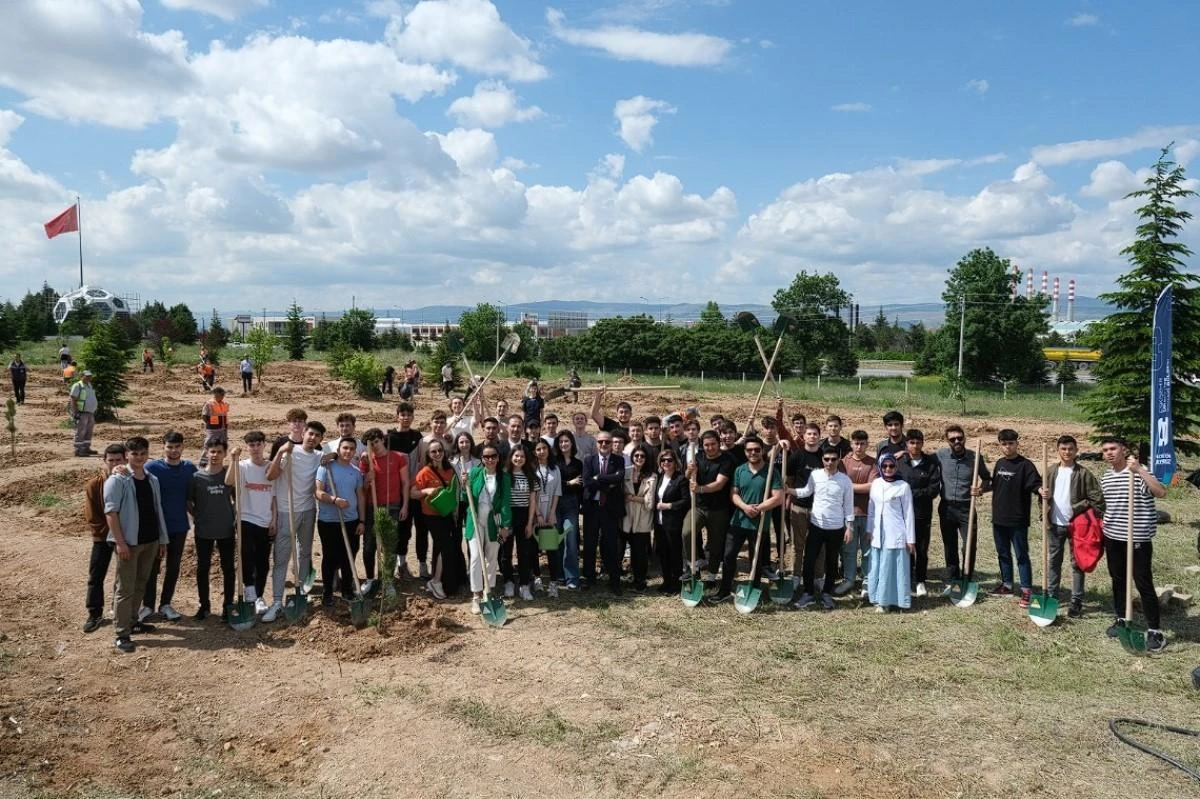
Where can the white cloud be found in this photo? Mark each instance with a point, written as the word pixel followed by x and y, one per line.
pixel 492 105
pixel 17 179
pixel 467 33
pixel 225 9
pixel 1083 20
pixel 627 43
pixel 978 85
pixel 637 117
pixel 1112 180
pixel 470 149
pixel 1186 150
pixel 851 107
pixel 1093 149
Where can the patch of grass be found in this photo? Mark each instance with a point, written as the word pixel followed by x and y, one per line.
pixel 48 500
pixel 375 693
pixel 547 727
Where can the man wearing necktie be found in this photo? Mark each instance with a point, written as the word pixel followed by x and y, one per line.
pixel 603 507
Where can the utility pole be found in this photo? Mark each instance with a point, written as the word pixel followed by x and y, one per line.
pixel 962 322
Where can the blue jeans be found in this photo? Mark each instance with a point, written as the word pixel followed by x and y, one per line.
pixel 568 521
pixel 858 543
pixel 1009 540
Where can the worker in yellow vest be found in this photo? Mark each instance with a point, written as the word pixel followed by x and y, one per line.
pixel 81 405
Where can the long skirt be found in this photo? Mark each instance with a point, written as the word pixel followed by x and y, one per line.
pixel 888 582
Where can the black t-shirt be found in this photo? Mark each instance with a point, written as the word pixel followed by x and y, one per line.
pixel 842 447
pixel 887 445
pixel 613 426
pixel 802 463
pixel 405 441
pixel 738 453
pixel 707 471
pixel 531 408
pixel 147 513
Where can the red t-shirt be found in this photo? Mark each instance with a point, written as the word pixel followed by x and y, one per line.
pixel 388 469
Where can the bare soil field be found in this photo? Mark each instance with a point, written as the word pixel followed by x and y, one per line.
pixel 588 695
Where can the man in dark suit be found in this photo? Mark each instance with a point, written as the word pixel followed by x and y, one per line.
pixel 603 507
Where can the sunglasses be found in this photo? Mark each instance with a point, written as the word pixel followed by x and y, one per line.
pixel 888 466
pixel 603 442
pixel 491 457
pixel 666 460
pixel 638 455
pixel 750 450
pixel 956 439
pixel 829 460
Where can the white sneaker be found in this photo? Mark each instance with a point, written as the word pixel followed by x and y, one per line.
pixel 367 585
pixel 526 594
pixel 921 589
pixel 435 588
pixel 475 609
pixel 144 613
pixel 169 613
pixel 552 590
pixel 537 584
pixel 863 594
pixel 510 590
pixel 260 606
pixel 880 609
pixel 272 612
pixel 424 571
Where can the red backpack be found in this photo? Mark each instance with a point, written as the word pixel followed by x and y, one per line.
pixel 1087 540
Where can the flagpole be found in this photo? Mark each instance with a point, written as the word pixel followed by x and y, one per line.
pixel 79 230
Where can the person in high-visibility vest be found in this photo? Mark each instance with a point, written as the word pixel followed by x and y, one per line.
pixel 208 373
pixel 215 416
pixel 81 405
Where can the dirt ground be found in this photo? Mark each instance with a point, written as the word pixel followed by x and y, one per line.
pixel 587 695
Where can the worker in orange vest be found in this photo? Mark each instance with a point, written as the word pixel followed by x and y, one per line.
pixel 215 416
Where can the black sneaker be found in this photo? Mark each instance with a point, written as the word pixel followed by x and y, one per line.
pixel 124 644
pixel 1155 641
pixel 720 596
pixel 201 614
pixel 1076 609
pixel 92 623
pixel 142 627
pixel 1114 629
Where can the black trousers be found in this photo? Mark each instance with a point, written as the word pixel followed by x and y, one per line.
pixel 204 550
pixel 639 556
pixel 256 556
pixel 831 540
pixel 102 553
pixel 601 528
pixel 511 545
pixel 669 543
pixel 19 391
pixel 416 520
pixel 952 517
pixel 247 382
pixel 441 530
pixel 920 564
pixel 1143 579
pixel 738 537
pixel 334 563
pixel 175 544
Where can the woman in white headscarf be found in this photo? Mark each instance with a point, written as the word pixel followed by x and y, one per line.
pixel 892 530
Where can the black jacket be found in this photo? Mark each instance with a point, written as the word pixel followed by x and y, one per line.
pixel 925 479
pixel 678 496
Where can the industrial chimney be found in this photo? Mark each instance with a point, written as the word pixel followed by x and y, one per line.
pixel 1071 300
pixel 1054 302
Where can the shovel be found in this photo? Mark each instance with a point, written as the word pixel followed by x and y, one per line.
pixel 748 594
pixel 964 592
pixel 240 613
pixel 1043 608
pixel 491 609
pixel 766 379
pixel 562 391
pixel 692 592
pixel 295 606
pixel 1133 641
pixel 510 344
pixel 782 590
pixel 360 614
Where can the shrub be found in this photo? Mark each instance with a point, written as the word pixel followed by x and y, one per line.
pixel 363 372
pixel 528 370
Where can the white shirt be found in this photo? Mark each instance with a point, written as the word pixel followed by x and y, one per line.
pixel 304 476
pixel 1060 511
pixel 833 499
pixel 551 486
pixel 890 518
pixel 258 494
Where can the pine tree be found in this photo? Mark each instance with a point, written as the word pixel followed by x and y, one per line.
pixel 295 333
pixel 1120 403
pixel 107 354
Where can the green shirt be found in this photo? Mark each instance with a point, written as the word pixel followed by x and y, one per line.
pixel 751 486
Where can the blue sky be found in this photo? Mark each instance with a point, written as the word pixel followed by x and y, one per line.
pixel 232 153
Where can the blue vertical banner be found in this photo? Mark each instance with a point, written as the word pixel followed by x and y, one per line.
pixel 1162 428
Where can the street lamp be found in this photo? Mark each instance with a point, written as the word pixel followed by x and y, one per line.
pixel 649 301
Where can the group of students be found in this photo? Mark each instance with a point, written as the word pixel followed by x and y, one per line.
pixel 544 509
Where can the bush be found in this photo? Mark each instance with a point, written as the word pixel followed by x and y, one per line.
pixel 106 355
pixel 529 371
pixel 364 373
pixel 261 350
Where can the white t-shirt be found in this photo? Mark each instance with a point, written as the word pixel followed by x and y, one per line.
pixel 304 476
pixel 331 445
pixel 1060 511
pixel 258 493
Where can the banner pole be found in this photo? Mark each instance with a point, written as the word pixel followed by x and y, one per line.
pixel 79 230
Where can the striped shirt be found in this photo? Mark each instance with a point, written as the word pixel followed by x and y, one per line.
pixel 520 489
pixel 1115 486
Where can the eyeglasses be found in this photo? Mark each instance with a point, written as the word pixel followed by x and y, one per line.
pixel 956 439
pixel 638 455
pixel 888 466
pixel 603 442
pixel 751 450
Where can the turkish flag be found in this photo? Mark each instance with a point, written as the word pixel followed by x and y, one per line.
pixel 65 222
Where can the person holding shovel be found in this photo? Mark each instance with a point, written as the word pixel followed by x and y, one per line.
pixel 891 524
pixel 437 474
pixel 491 494
pixel 297 509
pixel 1071 490
pixel 752 498
pixel 1125 468
pixel 210 502
pixel 339 492
pixel 258 517
pixel 391 490
pixel 957 465
pixel 1015 481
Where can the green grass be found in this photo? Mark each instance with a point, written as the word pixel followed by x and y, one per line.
pixel 48 500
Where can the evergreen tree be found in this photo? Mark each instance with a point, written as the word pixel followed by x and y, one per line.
pixel 711 316
pixel 295 333
pixel 356 329
pixel 35 314
pixel 80 320
pixel 183 323
pixel 1065 372
pixel 1120 404
pixel 107 354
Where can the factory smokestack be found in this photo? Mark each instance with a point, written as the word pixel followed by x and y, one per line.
pixel 1071 300
pixel 1029 285
pixel 1054 306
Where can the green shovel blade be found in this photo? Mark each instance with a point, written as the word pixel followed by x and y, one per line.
pixel 964 593
pixel 1133 641
pixel 746 598
pixel 692 592
pixel 295 607
pixel 782 591
pixel 494 613
pixel 1043 609
pixel 372 591
pixel 310 580
pixel 241 615
pixel 360 613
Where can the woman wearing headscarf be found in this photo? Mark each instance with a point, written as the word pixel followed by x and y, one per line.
pixel 891 526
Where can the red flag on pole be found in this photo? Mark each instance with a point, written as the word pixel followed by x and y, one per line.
pixel 66 222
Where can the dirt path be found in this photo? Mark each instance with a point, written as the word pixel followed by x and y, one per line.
pixel 577 697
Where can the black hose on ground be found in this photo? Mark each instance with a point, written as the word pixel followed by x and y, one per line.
pixel 1112 725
